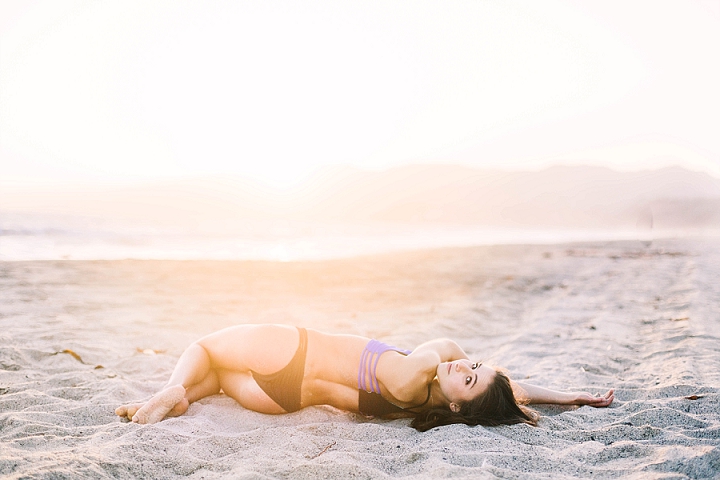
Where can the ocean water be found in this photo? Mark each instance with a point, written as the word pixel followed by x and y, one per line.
pixel 51 237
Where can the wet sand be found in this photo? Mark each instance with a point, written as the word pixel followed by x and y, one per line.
pixel 77 339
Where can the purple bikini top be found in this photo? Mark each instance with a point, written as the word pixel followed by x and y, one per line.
pixel 367 376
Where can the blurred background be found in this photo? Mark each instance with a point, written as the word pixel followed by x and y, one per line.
pixel 288 130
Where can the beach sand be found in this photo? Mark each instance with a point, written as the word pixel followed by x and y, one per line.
pixel 77 339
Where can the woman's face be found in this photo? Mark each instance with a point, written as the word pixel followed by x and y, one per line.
pixel 463 380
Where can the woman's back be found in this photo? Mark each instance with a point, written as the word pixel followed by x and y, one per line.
pixel 331 370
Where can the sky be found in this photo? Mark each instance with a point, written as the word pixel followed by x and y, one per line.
pixel 95 92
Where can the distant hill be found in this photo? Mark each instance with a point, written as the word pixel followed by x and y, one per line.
pixel 557 196
pixel 560 196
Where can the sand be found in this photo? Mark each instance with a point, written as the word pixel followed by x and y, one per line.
pixel 77 339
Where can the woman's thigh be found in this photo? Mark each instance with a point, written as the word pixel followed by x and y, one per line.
pixel 264 349
pixel 242 387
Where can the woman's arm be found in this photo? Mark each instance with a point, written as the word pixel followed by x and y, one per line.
pixel 535 394
pixel 407 378
pixel 446 349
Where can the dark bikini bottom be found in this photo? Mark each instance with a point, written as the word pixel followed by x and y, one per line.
pixel 284 386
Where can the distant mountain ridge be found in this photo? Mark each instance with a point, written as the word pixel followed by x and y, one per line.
pixel 559 196
pixel 556 196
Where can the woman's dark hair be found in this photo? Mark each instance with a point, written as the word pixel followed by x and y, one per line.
pixel 495 406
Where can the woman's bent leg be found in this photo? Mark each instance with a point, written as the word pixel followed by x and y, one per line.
pixel 191 380
pixel 209 386
pixel 192 367
pixel 231 353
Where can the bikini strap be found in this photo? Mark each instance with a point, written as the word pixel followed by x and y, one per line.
pixel 367 370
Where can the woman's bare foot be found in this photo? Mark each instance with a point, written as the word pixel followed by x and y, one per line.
pixel 129 410
pixel 158 407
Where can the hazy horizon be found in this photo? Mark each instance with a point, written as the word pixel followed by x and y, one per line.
pixel 556 197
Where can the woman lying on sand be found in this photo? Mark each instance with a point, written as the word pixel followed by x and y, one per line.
pixel 281 369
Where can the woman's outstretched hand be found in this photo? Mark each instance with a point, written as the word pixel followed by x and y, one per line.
pixel 584 398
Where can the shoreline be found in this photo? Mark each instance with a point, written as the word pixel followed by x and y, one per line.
pixel 301 242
